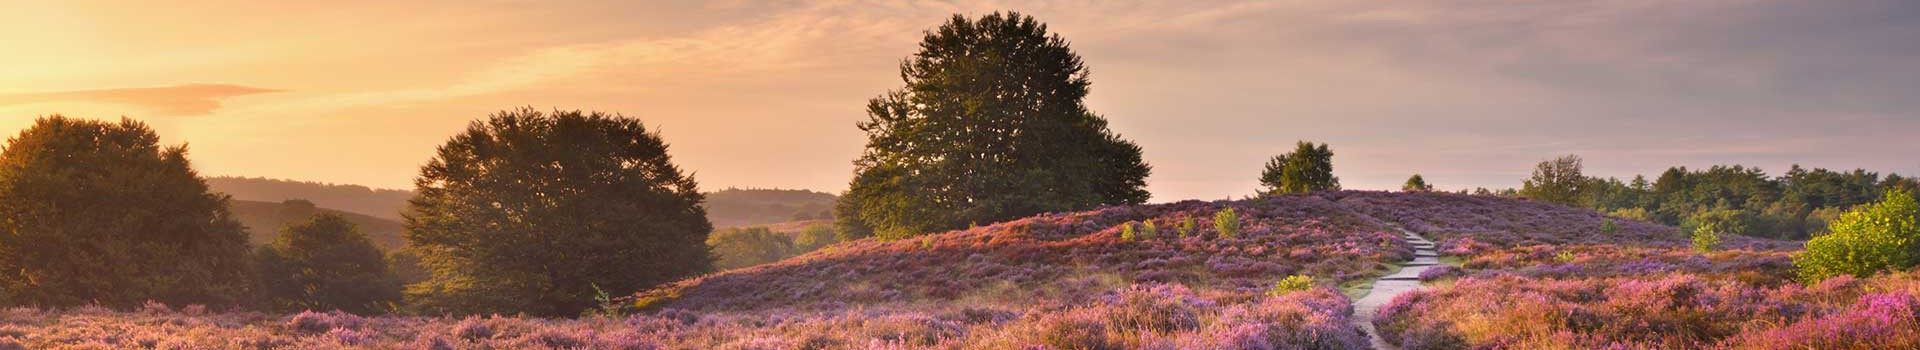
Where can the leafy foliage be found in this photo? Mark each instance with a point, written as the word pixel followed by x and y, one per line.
pixel 1290 284
pixel 1308 168
pixel 1869 239
pixel 94 211
pixel 326 264
pixel 1226 222
pixel 1416 183
pixel 527 211
pixel 990 127
pixel 814 237
pixel 1557 181
pixel 741 247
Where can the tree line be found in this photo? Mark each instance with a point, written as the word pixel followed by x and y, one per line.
pixel 1735 199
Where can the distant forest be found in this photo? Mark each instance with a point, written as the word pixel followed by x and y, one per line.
pixel 731 207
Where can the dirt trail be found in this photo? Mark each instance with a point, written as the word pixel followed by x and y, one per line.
pixel 1400 282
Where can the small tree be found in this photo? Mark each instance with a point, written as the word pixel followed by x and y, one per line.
pixel 742 247
pixel 1870 238
pixel 1706 237
pixel 1308 168
pixel 1557 181
pixel 1227 223
pixel 100 212
pixel 1185 227
pixel 528 211
pixel 1608 227
pixel 326 264
pixel 1126 232
pixel 1416 184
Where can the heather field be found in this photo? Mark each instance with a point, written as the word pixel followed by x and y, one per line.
pixel 1521 274
pixel 1531 283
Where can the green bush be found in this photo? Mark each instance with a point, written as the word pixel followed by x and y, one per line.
pixel 1227 222
pixel 1185 228
pixel 1148 231
pixel 1126 232
pixel 742 247
pixel 1290 284
pixel 815 236
pixel 1870 238
pixel 1706 237
pixel 1608 227
pixel 326 264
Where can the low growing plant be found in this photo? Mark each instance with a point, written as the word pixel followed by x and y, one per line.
pixel 1290 284
pixel 1227 223
pixel 1870 238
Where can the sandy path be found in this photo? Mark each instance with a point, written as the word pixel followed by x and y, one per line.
pixel 1385 288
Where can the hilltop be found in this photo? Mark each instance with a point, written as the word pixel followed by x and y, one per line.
pixel 263 221
pixel 736 207
pixel 732 207
pixel 381 203
pixel 1336 237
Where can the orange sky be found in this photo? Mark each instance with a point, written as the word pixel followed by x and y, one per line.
pixel 750 94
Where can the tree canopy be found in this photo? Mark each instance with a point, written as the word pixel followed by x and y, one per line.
pixel 1416 183
pixel 325 263
pixel 1308 168
pixel 990 126
pixel 1558 180
pixel 95 211
pixel 529 212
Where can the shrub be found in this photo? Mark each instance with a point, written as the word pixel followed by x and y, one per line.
pixel 1185 227
pixel 1290 284
pixel 1227 223
pixel 742 247
pixel 815 236
pixel 1126 232
pixel 326 264
pixel 1705 238
pixel 1871 238
pixel 1148 231
pixel 1607 226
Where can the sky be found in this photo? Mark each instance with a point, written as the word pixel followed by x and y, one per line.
pixel 767 94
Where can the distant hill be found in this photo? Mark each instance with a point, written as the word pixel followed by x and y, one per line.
pixel 381 203
pixel 736 207
pixel 733 207
pixel 264 220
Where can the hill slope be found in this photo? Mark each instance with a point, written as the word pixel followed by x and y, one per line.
pixel 381 203
pixel 735 207
pixel 264 220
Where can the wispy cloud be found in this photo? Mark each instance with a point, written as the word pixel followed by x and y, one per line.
pixel 178 100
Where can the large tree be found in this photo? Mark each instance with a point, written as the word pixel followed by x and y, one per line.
pixel 990 126
pixel 530 212
pixel 325 263
pixel 1558 180
pixel 94 211
pixel 1308 168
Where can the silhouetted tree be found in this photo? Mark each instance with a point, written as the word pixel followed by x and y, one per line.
pixel 990 126
pixel 1308 168
pixel 1558 181
pixel 94 211
pixel 326 264
pixel 1416 184
pixel 529 211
